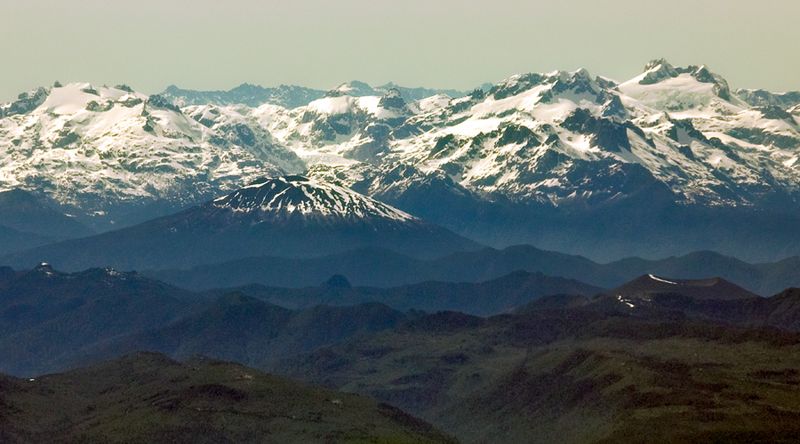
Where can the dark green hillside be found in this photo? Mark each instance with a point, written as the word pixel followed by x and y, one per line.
pixel 577 375
pixel 150 398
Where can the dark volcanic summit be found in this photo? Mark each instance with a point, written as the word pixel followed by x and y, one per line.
pixel 709 289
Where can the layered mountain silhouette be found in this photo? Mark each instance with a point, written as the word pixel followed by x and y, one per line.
pixel 290 216
pixel 47 315
pixel 15 240
pixel 713 300
pixel 714 288
pixel 27 220
pixel 53 320
pixel 244 329
pixel 383 268
pixel 670 161
pixel 677 366
pixel 485 298
pixel 606 358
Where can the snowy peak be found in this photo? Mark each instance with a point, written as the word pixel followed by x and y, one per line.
pixel 75 98
pixel 96 148
pixel 657 70
pixel 292 96
pixel 353 88
pixel 676 87
pixel 548 85
pixel 562 139
pixel 392 100
pixel 704 75
pixel 660 69
pixel 299 196
pixel 25 103
pixel 43 269
pixel 356 88
pixel 760 97
pixel 288 96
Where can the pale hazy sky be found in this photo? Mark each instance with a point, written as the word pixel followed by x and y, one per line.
pixel 218 44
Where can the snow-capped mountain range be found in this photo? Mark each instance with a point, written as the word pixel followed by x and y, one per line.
pixel 553 143
pixel 291 96
pixel 97 148
pixel 561 138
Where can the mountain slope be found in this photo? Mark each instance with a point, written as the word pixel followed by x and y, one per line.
pixel 382 268
pixel 576 375
pixel 147 397
pixel 23 211
pixel 51 321
pixel 670 161
pixel 558 159
pixel 724 304
pixel 486 298
pixel 289 96
pixel 290 216
pixel 111 152
pixel 240 328
pixel 643 287
pixel 539 135
pixel 26 222
pixel 12 240
pixel 48 315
